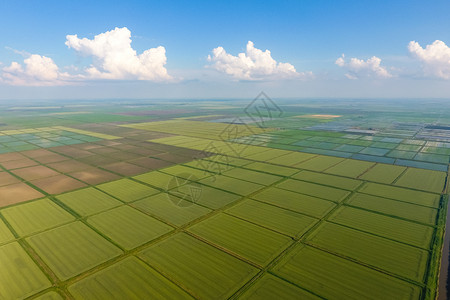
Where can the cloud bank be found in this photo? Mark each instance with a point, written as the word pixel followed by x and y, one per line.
pixel 254 64
pixel 359 68
pixel 114 58
pixel 435 58
pixel 36 70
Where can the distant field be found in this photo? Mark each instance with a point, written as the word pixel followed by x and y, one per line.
pixel 164 201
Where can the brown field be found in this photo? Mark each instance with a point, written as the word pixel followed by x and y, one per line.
pixel 72 151
pixel 94 176
pixel 10 156
pixel 97 160
pixel 125 169
pixel 36 172
pixel 69 166
pixel 18 192
pixel 51 158
pixel 6 179
pixel 144 151
pixel 19 163
pixel 173 158
pixel 150 163
pixel 37 153
pixel 85 146
pixel 58 184
pixel 103 150
pixel 121 155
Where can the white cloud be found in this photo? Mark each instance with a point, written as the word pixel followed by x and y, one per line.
pixel 114 58
pixel 358 68
pixel 37 71
pixel 255 64
pixel 435 58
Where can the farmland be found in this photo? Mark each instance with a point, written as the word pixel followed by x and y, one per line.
pixel 154 200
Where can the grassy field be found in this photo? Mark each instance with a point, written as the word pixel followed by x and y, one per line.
pixel 159 201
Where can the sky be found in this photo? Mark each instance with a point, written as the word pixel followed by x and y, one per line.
pixel 224 49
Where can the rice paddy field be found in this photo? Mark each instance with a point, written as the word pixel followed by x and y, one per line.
pixel 341 199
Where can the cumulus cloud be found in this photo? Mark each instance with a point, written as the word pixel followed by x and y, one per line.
pixel 36 70
pixel 358 68
pixel 114 58
pixel 255 64
pixel 435 58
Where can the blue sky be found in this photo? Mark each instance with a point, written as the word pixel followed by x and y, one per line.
pixel 308 35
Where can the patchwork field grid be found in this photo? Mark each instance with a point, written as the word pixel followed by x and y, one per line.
pixel 159 201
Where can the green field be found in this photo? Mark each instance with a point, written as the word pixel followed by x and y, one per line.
pixel 308 267
pixel 72 249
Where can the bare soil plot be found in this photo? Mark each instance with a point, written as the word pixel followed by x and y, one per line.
pixel 94 176
pixel 51 158
pixel 20 163
pixel 144 151
pixel 68 166
pixel 97 160
pixel 36 172
pixel 122 155
pixel 150 163
pixel 125 168
pixel 18 192
pixel 109 143
pixel 37 153
pixel 10 156
pixel 72 151
pixel 175 158
pixel 125 147
pixel 6 179
pixel 87 146
pixel 58 184
pixel 103 150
